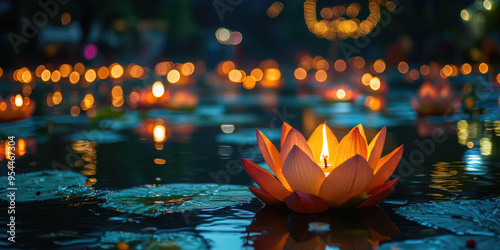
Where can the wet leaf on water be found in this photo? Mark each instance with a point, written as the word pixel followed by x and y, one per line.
pixel 247 136
pixel 444 242
pixel 45 185
pixel 99 136
pixel 174 240
pixel 173 198
pixel 481 217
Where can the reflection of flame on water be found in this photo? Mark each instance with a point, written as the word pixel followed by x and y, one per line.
pixel 21 146
pixel 276 228
pixel 88 158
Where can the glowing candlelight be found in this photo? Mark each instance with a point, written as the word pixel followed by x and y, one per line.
pixel 324 154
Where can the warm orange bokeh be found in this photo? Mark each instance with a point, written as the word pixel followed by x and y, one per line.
pixel 16 108
pixel 435 99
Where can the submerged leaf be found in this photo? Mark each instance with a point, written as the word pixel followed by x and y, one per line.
pixel 180 197
pixel 45 185
pixel 174 240
pixel 444 242
pixel 481 217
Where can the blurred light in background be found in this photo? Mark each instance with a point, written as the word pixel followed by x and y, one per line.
pixel 403 67
pixel 465 15
pixel 320 76
pixel 274 10
pixel 173 76
pixel 257 74
pixel 65 18
pixel 158 89
pixel 116 70
pixel 227 37
pixel 300 73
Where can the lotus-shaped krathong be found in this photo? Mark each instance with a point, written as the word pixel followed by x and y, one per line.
pixel 435 99
pixel 314 175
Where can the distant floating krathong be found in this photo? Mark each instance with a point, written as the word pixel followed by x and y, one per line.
pixel 16 108
pixel 321 172
pixel 435 99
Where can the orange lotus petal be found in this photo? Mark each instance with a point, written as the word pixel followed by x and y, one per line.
pixel 265 180
pixel 375 148
pixel 284 133
pixel 264 196
pixel 378 194
pixel 352 144
pixel 303 202
pixel 294 138
pixel 301 172
pixel 387 165
pixel 362 131
pixel 351 178
pixel 315 142
pixel 270 155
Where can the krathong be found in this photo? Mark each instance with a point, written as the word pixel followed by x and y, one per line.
pixel 314 175
pixel 16 108
pixel 435 99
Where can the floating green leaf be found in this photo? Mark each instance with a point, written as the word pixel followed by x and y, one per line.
pixel 175 240
pixel 444 242
pixel 45 185
pixel 480 217
pixel 173 198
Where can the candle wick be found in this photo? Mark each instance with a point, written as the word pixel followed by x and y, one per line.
pixel 325 158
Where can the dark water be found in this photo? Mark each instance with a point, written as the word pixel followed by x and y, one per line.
pixel 460 163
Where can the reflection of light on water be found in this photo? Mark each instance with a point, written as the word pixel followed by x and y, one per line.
pixel 444 177
pixel 227 128
pixel 462 132
pixel 21 147
pixel 159 133
pixel 159 161
pixel 88 160
pixel 485 146
pixel 474 162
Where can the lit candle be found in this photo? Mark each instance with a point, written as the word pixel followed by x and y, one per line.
pixel 327 168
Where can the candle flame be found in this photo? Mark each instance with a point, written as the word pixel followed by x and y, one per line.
pixel 19 101
pixel 324 151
